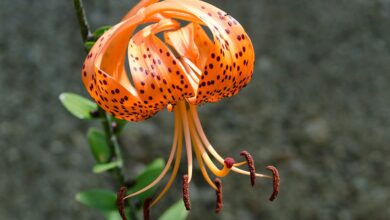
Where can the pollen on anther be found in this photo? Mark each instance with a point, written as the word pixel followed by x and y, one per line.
pixel 276 182
pixel 219 205
pixel 120 202
pixel 186 193
pixel 146 209
pixel 251 166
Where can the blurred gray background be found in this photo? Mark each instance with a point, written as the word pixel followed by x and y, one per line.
pixel 318 108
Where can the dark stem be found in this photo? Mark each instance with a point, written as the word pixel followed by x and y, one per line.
pixel 112 140
pixel 83 22
pixel 111 136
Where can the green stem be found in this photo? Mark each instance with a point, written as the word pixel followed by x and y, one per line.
pixel 112 139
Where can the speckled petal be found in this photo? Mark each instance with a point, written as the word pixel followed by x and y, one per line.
pixel 229 64
pixel 157 74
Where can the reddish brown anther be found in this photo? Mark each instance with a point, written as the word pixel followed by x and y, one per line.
pixel 276 182
pixel 229 162
pixel 146 208
pixel 218 192
pixel 251 166
pixel 186 193
pixel 120 202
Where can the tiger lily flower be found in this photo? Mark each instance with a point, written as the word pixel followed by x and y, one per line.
pixel 183 69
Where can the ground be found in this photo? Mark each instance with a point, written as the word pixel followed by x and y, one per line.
pixel 318 108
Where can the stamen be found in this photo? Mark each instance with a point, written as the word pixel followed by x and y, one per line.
pixel 187 137
pixel 120 202
pixel 210 148
pixel 202 168
pixel 177 133
pixel 199 147
pixel 251 166
pixel 174 171
pixel 146 208
pixel 219 195
pixel 276 182
pixel 186 193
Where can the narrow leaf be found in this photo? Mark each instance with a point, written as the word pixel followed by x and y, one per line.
pixel 114 215
pixel 100 31
pixel 99 168
pixel 78 105
pixel 147 176
pixel 177 211
pixel 103 200
pixel 89 44
pixel 98 144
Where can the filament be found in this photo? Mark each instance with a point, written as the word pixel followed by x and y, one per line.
pixel 169 162
pixel 187 137
pixel 211 149
pixel 174 172
pixel 202 168
pixel 199 147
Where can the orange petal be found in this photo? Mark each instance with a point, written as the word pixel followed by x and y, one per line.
pixel 203 43
pixel 141 4
pixel 183 42
pixel 103 74
pixel 229 63
pixel 157 74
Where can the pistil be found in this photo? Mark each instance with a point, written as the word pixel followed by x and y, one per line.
pixel 188 123
pixel 199 147
pixel 210 148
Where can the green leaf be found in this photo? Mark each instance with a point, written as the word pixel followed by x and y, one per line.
pixel 98 144
pixel 151 172
pixel 99 168
pixel 78 105
pixel 89 44
pixel 177 211
pixel 103 200
pixel 100 31
pixel 114 215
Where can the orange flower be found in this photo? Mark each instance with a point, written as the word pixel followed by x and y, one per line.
pixel 184 69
